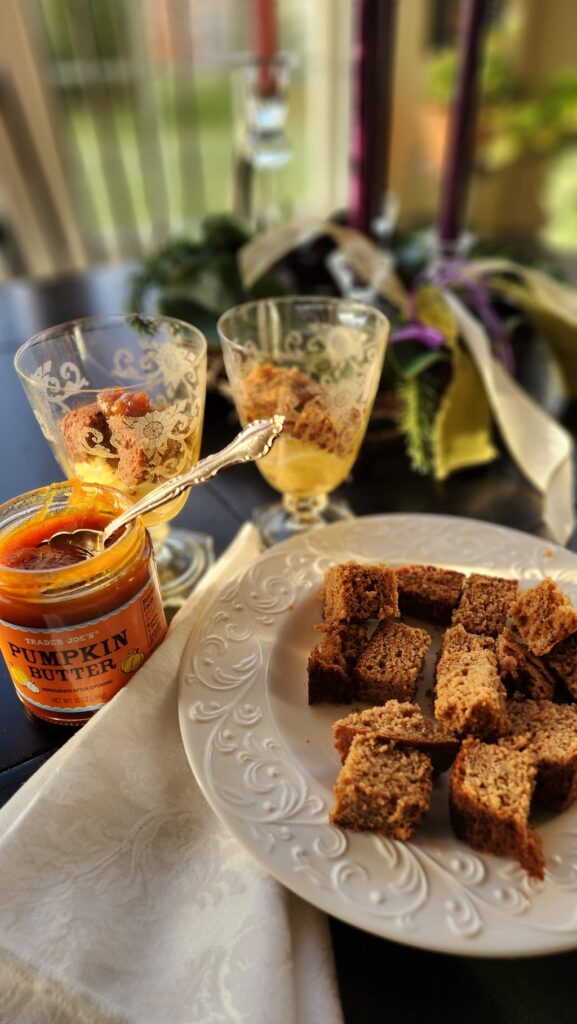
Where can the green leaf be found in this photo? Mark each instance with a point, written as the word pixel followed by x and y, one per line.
pixel 418 404
pixel 462 432
pixel 224 232
pixel 410 358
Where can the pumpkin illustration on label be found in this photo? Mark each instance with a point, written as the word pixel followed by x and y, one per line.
pixel 19 676
pixel 133 660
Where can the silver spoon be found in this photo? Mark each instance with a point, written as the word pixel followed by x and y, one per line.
pixel 251 444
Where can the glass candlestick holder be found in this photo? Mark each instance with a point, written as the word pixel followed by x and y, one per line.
pixel 262 147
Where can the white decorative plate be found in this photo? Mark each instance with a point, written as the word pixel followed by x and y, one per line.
pixel 266 763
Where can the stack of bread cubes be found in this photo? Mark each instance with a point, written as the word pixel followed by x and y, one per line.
pixel 505 702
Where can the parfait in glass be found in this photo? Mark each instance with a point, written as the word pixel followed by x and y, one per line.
pixel 120 399
pixel 316 361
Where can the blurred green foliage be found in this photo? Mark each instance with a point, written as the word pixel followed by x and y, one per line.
pixel 515 121
pixel 198 279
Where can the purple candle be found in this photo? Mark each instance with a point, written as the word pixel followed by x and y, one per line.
pixel 460 137
pixel 372 109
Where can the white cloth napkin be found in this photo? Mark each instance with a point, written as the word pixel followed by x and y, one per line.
pixel 124 899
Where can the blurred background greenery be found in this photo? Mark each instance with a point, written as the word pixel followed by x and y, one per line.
pixel 118 127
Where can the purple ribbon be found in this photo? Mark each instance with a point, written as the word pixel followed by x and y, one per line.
pixel 480 300
pixel 417 331
pixel 449 273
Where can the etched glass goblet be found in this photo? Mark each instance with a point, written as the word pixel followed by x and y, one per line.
pixel 318 362
pixel 120 400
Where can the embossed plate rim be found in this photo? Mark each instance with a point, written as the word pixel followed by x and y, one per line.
pixel 312 858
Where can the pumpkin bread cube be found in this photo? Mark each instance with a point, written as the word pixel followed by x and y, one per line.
pixel 382 788
pixel 353 591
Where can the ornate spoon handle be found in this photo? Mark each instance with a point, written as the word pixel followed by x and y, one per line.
pixel 252 443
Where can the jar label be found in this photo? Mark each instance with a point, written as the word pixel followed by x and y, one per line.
pixel 79 668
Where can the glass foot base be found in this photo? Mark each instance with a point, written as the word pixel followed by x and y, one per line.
pixel 276 523
pixel 181 559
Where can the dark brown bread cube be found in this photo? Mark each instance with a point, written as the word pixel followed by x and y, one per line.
pixel 329 683
pixel 270 389
pixel 524 675
pixel 548 732
pixel 485 604
pixel 353 591
pixel 83 428
pixel 382 788
pixel 470 698
pixel 390 663
pixel 456 640
pixel 315 425
pixel 428 592
pixel 563 660
pixel 342 641
pixel 404 725
pixel 544 617
pixel 331 661
pixel 133 462
pixel 137 463
pixel 490 793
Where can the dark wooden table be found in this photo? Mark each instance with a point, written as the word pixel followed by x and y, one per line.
pixel 378 979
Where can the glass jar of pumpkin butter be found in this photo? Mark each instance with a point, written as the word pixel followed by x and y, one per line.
pixel 74 628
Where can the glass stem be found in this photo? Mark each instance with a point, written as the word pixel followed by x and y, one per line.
pixel 305 509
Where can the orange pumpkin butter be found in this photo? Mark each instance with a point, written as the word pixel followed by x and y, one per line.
pixel 73 630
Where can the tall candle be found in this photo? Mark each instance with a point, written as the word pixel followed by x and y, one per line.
pixel 460 138
pixel 372 110
pixel 264 30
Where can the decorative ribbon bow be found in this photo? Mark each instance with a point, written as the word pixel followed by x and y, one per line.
pixel 542 449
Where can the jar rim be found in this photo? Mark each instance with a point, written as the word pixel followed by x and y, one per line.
pixel 25 506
